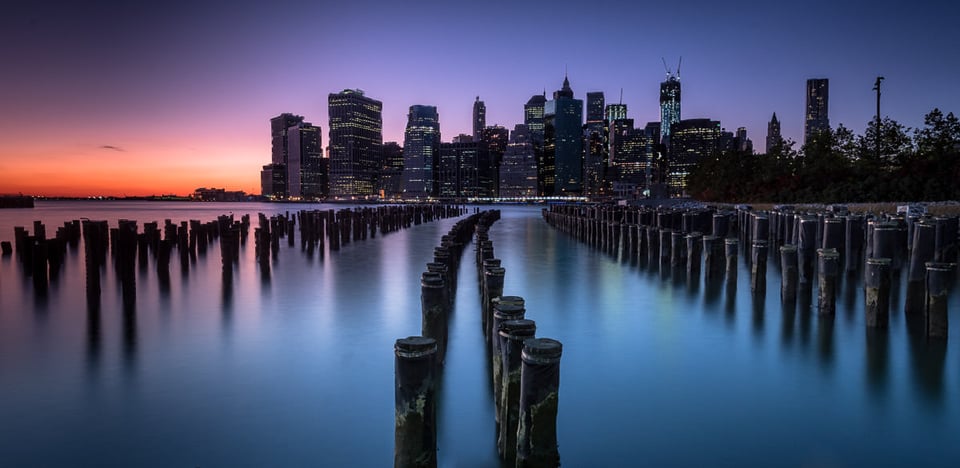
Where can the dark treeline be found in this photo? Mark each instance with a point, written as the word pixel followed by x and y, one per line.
pixel 839 166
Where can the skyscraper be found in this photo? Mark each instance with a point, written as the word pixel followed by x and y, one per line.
pixel 690 141
pixel 816 119
pixel 305 168
pixel 494 140
pixel 595 141
pixel 518 170
pixel 356 140
pixel 458 173
pixel 277 184
pixel 391 173
pixel 479 118
pixel 773 134
pixel 616 112
pixel 563 142
pixel 669 105
pixel 421 152
pixel 533 116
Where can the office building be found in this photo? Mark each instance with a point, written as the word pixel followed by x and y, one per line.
pixel 518 170
pixel 421 152
pixel 458 173
pixel 563 143
pixel 306 178
pixel 479 118
pixel 816 119
pixel 669 106
pixel 690 141
pixel 356 140
pixel 391 172
pixel 494 140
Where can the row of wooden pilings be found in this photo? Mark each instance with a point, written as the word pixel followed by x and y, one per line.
pixel 42 258
pixel 812 247
pixel 525 369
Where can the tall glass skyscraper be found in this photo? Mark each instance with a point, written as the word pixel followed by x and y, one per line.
pixel 563 143
pixel 816 119
pixel 669 105
pixel 421 152
pixel 305 174
pixel 533 119
pixel 479 118
pixel 356 141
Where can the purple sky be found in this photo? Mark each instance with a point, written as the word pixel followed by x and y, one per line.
pixel 200 82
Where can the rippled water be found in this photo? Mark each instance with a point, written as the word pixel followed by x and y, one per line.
pixel 297 370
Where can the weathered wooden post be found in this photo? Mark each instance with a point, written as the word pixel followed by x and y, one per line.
pixel 938 293
pixel 512 334
pixel 806 249
pixel 853 236
pixel 877 288
pixel 885 243
pixel 539 398
pixel 492 287
pixel 730 251
pixel 653 245
pixel 758 266
pixel 434 311
pixel 827 292
pixel 666 244
pixel 694 242
pixel 415 435
pixel 713 262
pixel 502 312
pixel 678 251
pixel 789 274
pixel 922 252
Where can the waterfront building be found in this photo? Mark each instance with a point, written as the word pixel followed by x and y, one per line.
pixel 494 140
pixel 563 143
pixel 816 118
pixel 518 170
pixel 421 152
pixel 356 140
pixel 533 120
pixel 595 145
pixel 391 172
pixel 690 141
pixel 306 178
pixel 459 169
pixel 279 155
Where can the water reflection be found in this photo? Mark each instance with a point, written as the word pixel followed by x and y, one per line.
pixel 825 341
pixel 878 356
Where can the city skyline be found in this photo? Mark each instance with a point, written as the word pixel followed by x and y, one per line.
pixel 150 100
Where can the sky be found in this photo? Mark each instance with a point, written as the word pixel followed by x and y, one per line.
pixel 141 98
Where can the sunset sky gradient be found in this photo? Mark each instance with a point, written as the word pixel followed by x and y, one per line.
pixel 124 98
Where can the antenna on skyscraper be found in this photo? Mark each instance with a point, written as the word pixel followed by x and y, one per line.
pixel 680 62
pixel 665 66
pixel 621 95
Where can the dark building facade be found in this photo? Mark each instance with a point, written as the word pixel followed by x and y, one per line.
pixel 391 172
pixel 595 145
pixel 816 119
pixel 306 177
pixel 356 140
pixel 278 186
pixel 773 134
pixel 458 174
pixel 421 152
pixel 494 140
pixel 479 118
pixel 563 143
pixel 518 170
pixel 690 141
pixel 533 119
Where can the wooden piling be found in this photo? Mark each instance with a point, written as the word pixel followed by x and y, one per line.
pixel 877 292
pixel 415 433
pixel 539 398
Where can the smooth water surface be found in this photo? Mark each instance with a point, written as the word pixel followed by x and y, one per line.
pixel 296 368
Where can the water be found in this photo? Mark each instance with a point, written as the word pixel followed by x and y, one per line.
pixel 298 370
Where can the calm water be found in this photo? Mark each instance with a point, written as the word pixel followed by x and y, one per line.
pixel 298 370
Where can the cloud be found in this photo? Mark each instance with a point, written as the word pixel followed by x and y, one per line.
pixel 111 147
